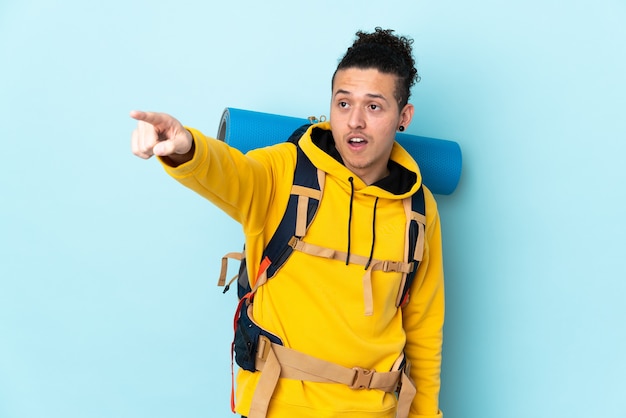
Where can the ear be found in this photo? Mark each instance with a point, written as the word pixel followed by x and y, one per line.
pixel 406 115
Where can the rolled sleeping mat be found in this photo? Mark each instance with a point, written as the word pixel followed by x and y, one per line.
pixel 439 160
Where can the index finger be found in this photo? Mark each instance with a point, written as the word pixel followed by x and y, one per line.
pixel 152 118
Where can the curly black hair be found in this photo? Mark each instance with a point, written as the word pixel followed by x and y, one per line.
pixel 386 52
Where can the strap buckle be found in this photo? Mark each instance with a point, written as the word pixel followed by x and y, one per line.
pixel 362 378
pixel 293 242
pixel 395 266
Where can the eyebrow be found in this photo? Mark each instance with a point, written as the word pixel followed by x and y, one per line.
pixel 370 95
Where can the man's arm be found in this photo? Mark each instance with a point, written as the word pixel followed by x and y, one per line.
pixel 423 320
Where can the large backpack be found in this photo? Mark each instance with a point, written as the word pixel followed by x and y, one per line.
pixel 306 193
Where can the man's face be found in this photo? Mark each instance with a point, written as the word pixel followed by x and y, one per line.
pixel 364 117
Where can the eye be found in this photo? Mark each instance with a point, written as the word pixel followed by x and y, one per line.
pixel 343 104
pixel 374 107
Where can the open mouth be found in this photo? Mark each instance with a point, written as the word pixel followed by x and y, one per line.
pixel 357 142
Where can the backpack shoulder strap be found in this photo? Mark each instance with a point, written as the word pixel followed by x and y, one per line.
pixel 415 208
pixel 306 193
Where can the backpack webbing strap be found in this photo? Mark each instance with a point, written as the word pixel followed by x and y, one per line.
pixel 235 256
pixel 405 396
pixel 304 195
pixel 325 252
pixel 370 264
pixel 277 361
pixel 414 208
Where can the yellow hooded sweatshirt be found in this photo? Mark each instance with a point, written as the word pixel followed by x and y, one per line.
pixel 315 305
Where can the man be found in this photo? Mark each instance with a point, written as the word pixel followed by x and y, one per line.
pixel 340 312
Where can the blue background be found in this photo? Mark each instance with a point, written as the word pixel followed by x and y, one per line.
pixel 108 303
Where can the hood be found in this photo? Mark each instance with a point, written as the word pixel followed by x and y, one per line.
pixel 404 176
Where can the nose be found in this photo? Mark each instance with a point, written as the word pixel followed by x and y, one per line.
pixel 356 119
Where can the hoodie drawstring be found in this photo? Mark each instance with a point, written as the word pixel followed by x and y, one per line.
pixel 369 260
pixel 351 180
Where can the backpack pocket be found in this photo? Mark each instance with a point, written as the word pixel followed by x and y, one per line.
pixel 246 340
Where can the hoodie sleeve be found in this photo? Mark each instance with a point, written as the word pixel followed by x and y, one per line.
pixel 423 320
pixel 240 185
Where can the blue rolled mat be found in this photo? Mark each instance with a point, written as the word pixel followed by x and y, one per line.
pixel 439 160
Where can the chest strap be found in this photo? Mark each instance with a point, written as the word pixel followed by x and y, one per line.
pixel 277 361
pixel 370 265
